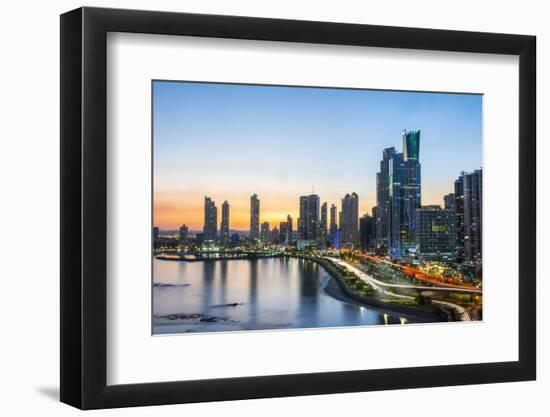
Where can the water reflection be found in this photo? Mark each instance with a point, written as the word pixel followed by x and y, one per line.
pixel 258 294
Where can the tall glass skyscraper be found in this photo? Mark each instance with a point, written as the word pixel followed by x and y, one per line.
pixel 265 233
pixel 389 197
pixel 333 224
pixel 349 220
pixel 450 204
pixel 469 208
pixel 254 217
pixel 224 227
pixel 324 220
pixel 210 228
pixel 398 189
pixel 309 217
pixel 411 187
pixel 289 230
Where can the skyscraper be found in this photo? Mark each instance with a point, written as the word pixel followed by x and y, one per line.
pixel 450 204
pixel 434 233
pixel 389 171
pixel 224 227
pixel 449 201
pixel 289 231
pixel 459 219
pixel 265 233
pixel 333 225
pixel 349 221
pixel 283 233
pixel 235 239
pixel 156 235
pixel 324 222
pixel 366 232
pixel 275 235
pixel 210 228
pixel 411 187
pixel 398 189
pixel 184 234
pixel 468 206
pixel 309 217
pixel 254 217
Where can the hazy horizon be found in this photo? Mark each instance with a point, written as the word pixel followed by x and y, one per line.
pixel 229 141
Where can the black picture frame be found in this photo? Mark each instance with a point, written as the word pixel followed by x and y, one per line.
pixel 84 207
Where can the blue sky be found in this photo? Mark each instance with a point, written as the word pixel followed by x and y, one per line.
pixel 230 141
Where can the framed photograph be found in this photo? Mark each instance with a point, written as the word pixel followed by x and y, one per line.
pixel 258 207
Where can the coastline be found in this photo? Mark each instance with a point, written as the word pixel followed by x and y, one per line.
pixel 336 290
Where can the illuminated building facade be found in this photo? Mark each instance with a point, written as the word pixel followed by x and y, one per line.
pixel 333 224
pixel 224 227
pixel 283 233
pixel 289 230
pixel 309 217
pixel 265 233
pixel 434 233
pixel 398 196
pixel 184 234
pixel 324 223
pixel 349 220
pixel 468 201
pixel 254 217
pixel 210 228
pixel 411 188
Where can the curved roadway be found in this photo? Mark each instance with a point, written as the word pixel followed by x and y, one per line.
pixel 381 287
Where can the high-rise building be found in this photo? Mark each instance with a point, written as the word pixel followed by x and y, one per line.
pixel 390 170
pixel 156 235
pixel 199 239
pixel 450 204
pixel 235 239
pixel 254 217
pixel 289 230
pixel 309 217
pixel 283 233
pixel 468 207
pixel 224 227
pixel 265 233
pixel 434 233
pixel 184 234
pixel 349 220
pixel 324 218
pixel 210 228
pixel 275 235
pixel 449 201
pixel 411 187
pixel 367 232
pixel 333 224
pixel 459 219
pixel 398 190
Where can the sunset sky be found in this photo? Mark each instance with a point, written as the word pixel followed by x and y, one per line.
pixel 231 141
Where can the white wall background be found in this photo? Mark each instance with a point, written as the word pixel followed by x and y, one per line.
pixel 29 173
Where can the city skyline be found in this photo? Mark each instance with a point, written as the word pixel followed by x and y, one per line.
pixel 365 200
pixel 281 162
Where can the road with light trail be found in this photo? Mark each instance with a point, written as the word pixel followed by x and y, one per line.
pixel 380 286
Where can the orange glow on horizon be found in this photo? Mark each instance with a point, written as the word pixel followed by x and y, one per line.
pixel 172 209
